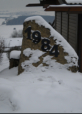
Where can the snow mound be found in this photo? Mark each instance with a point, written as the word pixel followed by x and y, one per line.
pixel 15 54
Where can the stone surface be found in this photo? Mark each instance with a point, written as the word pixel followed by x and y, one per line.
pixel 45 33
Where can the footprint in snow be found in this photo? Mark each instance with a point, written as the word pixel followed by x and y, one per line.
pixel 60 81
pixel 40 79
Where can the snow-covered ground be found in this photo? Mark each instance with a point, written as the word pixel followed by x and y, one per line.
pixel 1 21
pixel 43 90
pixel 6 31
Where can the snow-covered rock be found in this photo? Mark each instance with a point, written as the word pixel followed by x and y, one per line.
pixel 39 39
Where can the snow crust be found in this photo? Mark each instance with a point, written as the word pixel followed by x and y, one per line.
pixel 12 42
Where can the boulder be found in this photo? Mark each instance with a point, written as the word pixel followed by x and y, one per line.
pixel 43 46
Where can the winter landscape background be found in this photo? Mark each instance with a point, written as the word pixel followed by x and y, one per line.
pixel 55 90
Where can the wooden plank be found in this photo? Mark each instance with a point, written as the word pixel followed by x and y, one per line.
pixel 72 28
pixel 64 22
pixel 64 19
pixel 58 25
pixel 64 14
pixel 64 36
pixel 79 51
pixel 72 24
pixel 58 31
pixel 72 35
pixel 74 18
pixel 64 29
pixel 72 32
pixel 72 43
pixel 64 33
pixel 72 15
pixel 58 22
pixel 58 19
pixel 64 26
pixel 72 21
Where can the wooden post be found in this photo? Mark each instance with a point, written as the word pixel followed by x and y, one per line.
pixel 80 41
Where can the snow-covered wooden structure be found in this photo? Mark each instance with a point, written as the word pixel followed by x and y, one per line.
pixel 68 21
pixel 14 58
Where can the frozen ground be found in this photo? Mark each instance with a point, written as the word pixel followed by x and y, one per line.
pixel 43 90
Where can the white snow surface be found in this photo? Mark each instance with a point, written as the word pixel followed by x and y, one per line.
pixel 15 54
pixel 42 90
pixel 6 31
pixel 1 21
pixel 12 42
pixel 64 5
pixel 50 91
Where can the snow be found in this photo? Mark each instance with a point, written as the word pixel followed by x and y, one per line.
pixel 1 21
pixel 74 1
pixel 15 54
pixel 64 5
pixel 35 54
pixel 40 92
pixel 6 31
pixel 52 90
